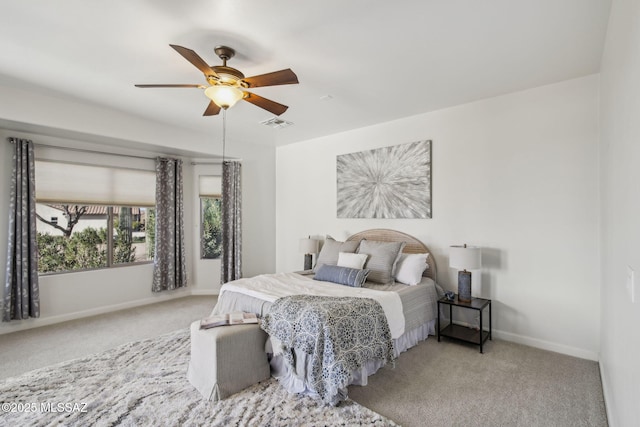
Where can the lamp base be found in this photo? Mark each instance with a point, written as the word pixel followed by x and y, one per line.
pixel 308 263
pixel 464 286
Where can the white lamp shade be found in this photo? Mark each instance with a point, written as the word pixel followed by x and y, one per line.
pixel 309 246
pixel 224 96
pixel 465 257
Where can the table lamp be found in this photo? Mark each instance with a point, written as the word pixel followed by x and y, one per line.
pixel 464 258
pixel 309 247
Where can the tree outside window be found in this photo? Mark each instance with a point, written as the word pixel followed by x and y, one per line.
pixel 78 239
pixel 210 227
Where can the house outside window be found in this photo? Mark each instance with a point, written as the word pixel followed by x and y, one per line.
pixel 92 236
pixel 82 222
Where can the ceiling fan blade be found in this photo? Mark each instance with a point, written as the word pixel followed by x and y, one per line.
pixel 178 85
pixel 282 77
pixel 267 104
pixel 212 109
pixel 193 57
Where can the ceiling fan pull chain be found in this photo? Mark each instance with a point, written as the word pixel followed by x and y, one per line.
pixel 224 133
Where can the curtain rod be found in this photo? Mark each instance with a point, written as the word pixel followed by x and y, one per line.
pixel 217 162
pixel 85 150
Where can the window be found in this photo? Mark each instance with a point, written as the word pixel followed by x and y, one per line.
pixel 132 240
pixel 93 236
pixel 211 227
pixel 93 216
pixel 210 217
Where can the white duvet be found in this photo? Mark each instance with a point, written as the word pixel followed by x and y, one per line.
pixel 270 287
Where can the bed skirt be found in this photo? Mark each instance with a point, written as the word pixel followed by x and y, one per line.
pixel 293 379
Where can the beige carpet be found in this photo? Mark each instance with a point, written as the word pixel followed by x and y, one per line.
pixel 439 384
pixel 35 348
pixel 451 384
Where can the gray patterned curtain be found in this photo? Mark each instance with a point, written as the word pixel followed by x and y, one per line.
pixel 21 291
pixel 169 262
pixel 231 222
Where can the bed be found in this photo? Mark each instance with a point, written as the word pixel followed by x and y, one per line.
pixel 410 311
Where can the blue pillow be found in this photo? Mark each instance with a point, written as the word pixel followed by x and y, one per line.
pixel 341 275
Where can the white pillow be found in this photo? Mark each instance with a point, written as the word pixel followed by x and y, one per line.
pixel 346 259
pixel 410 268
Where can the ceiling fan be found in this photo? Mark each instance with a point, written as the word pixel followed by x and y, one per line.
pixel 226 84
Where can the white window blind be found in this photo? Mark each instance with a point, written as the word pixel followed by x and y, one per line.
pixel 88 184
pixel 210 185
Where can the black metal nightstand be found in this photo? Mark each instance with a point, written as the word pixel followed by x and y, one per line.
pixel 460 332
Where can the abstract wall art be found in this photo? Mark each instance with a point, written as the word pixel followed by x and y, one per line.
pixel 389 182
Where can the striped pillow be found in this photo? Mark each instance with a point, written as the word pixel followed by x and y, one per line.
pixel 382 259
pixel 341 275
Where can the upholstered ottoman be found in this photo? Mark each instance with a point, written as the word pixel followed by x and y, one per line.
pixel 227 359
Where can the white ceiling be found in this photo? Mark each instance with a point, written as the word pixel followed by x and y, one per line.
pixel 379 61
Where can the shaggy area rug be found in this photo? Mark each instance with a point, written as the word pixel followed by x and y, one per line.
pixel 144 383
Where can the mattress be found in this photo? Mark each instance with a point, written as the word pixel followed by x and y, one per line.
pixel 418 302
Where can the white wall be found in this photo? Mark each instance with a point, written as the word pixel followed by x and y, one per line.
pixel 258 207
pixel 620 175
pixel 73 295
pixel 516 174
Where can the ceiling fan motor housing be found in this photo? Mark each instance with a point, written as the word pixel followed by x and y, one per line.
pixel 226 75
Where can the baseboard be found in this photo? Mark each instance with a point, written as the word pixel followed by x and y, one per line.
pixel 605 392
pixel 537 343
pixel 546 345
pixel 36 323
pixel 195 291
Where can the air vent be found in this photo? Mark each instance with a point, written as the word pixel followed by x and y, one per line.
pixel 276 123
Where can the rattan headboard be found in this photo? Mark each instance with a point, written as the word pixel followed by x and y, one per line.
pixel 412 245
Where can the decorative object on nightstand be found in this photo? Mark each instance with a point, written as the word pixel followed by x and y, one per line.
pixel 464 258
pixel 309 247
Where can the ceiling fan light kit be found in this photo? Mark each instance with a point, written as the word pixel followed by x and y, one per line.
pixel 224 96
pixel 226 84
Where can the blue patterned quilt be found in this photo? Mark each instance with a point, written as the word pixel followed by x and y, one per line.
pixel 339 333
